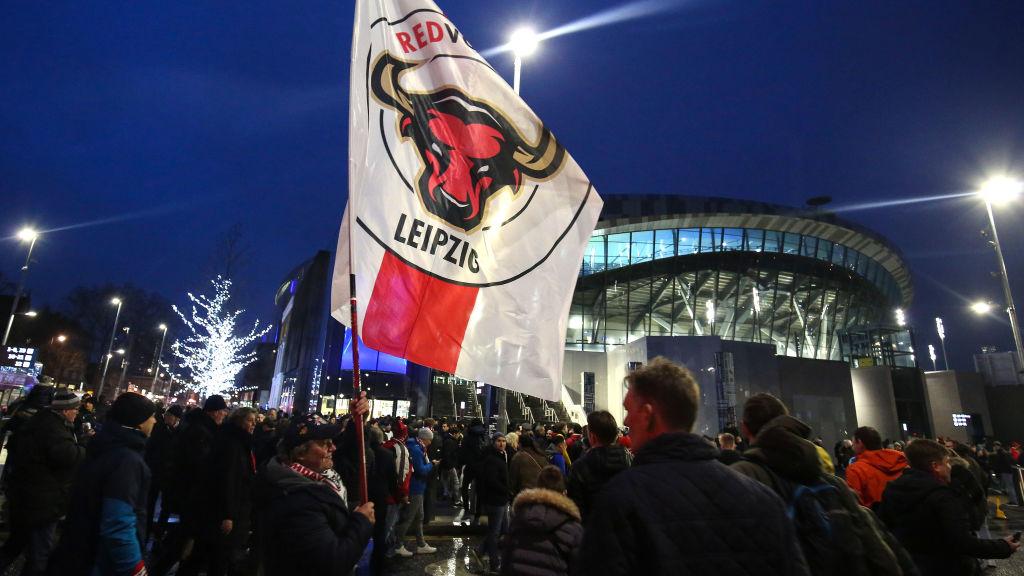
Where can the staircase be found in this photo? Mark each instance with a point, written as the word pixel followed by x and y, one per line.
pixel 542 413
pixel 465 392
pixel 517 409
pixel 442 398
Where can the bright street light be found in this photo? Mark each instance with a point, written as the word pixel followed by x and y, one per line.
pixel 931 354
pixel 942 340
pixel 115 301
pixel 62 338
pixel 27 234
pixel 999 190
pixel 524 42
pixel 120 351
pixel 901 318
pixel 31 313
pixel 981 308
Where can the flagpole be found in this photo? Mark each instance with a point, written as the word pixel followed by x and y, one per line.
pixel 358 419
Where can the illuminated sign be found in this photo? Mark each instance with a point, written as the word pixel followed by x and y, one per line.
pixel 960 420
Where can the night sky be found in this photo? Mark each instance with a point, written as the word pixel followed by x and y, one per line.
pixel 139 132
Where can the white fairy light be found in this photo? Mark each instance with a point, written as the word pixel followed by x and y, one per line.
pixel 213 355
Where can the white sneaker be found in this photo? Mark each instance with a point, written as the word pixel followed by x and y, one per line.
pixel 403 552
pixel 458 517
pixel 425 549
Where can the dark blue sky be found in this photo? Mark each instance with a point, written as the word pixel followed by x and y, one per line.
pixel 184 118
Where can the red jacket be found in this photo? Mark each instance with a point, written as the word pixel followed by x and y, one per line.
pixel 404 472
pixel 871 471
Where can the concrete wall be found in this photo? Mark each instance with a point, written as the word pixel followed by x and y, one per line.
pixel 576 363
pixel 972 398
pixel 943 399
pixel 820 393
pixel 1006 406
pixel 874 400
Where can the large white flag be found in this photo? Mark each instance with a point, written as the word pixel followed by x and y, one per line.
pixel 468 218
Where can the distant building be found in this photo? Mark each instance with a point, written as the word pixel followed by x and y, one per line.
pixel 998 368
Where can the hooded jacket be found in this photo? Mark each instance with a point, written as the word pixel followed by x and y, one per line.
pixel 107 519
pixel 304 527
pixel 871 471
pixel 421 467
pixel 593 470
pixel 782 446
pixel 545 535
pixel 933 524
pixel 680 511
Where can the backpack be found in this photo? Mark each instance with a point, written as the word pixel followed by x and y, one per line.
pixel 829 532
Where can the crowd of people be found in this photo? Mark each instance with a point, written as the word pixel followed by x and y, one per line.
pixel 144 489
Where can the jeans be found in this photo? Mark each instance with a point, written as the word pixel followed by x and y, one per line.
pixel 413 517
pixel 391 520
pixel 497 524
pixel 450 481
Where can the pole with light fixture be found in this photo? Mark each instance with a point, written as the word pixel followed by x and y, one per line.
pixel 25 235
pixel 931 354
pixel 942 340
pixel 156 360
pixel 999 190
pixel 110 349
pixel 125 360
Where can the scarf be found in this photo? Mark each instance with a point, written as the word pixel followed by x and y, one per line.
pixel 330 478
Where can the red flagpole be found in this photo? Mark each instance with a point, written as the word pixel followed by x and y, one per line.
pixel 358 419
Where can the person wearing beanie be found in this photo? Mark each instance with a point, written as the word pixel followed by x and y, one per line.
pixel 45 457
pixel 413 514
pixel 494 496
pixel 85 423
pixel 104 533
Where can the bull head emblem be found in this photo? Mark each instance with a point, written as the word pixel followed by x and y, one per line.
pixel 469 150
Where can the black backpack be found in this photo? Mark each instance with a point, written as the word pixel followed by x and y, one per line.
pixel 826 529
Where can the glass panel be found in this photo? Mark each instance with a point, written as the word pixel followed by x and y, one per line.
pixel 618 250
pixel 851 258
pixel 642 247
pixel 593 258
pixel 708 239
pixel 689 241
pixel 755 240
pixel 772 241
pixel 732 239
pixel 838 253
pixel 862 265
pixel 824 250
pixel 792 244
pixel 808 247
pixel 664 243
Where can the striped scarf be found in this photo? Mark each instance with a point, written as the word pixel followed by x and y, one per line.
pixel 330 478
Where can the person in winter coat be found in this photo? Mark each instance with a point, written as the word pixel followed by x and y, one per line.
pixel 46 456
pixel 158 449
pixel 470 454
pixel 190 467
pixel 558 455
pixel 598 465
pixel 449 465
pixel 1002 465
pixel 874 467
pixel 494 497
pixel 545 534
pixel 304 525
pixel 655 517
pixel 526 465
pixel 413 515
pixel 85 423
pixel 398 500
pixel 105 529
pixel 782 457
pixel 843 452
pixel 222 533
pixel 931 520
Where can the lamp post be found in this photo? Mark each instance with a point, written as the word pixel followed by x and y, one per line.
pixel 931 354
pixel 125 361
pixel 156 361
pixel 942 340
pixel 524 42
pixel 999 190
pixel 25 235
pixel 110 348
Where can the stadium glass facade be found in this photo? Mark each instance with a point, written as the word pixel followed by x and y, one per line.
pixel 685 266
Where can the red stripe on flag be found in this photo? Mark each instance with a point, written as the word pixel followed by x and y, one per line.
pixel 415 316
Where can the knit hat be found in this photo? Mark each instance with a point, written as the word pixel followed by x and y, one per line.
pixel 65 400
pixel 176 410
pixel 214 403
pixel 400 429
pixel 131 409
pixel 425 434
pixel 495 436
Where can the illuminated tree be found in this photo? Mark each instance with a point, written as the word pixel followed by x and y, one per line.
pixel 213 354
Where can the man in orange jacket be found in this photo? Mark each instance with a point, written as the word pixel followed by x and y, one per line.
pixel 874 466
